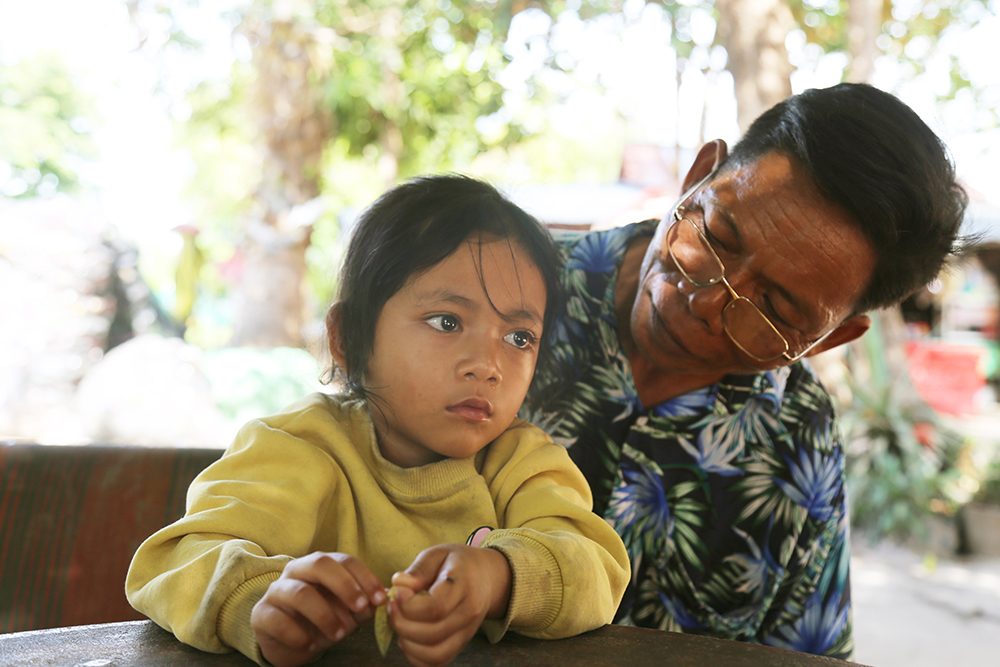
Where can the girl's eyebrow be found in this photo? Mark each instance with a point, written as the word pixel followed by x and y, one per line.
pixel 447 296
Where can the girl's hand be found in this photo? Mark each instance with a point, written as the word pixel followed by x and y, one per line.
pixel 317 601
pixel 464 585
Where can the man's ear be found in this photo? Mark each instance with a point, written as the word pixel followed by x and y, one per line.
pixel 851 329
pixel 333 320
pixel 710 156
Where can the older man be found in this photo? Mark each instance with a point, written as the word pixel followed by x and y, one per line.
pixel 675 375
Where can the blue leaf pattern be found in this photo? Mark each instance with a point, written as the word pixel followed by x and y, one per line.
pixel 757 567
pixel 596 253
pixel 816 483
pixel 729 498
pixel 692 403
pixel 638 509
pixel 816 630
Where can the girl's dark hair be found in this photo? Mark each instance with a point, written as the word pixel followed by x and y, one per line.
pixel 411 228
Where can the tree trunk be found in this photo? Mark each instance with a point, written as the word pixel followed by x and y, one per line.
pixel 753 33
pixel 864 24
pixel 294 129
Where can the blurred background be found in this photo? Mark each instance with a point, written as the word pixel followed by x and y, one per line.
pixel 178 180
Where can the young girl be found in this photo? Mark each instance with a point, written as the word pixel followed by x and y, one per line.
pixel 291 537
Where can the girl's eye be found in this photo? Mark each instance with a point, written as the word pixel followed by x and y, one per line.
pixel 522 340
pixel 446 323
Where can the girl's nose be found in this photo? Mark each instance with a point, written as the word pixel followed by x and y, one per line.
pixel 481 365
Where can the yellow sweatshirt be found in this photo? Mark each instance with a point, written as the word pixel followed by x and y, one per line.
pixel 313 479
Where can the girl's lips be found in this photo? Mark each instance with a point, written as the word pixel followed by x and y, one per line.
pixel 473 409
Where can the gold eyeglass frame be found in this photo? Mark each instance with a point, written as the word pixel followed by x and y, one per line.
pixel 679 217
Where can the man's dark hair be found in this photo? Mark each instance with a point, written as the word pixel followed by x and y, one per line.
pixel 871 154
pixel 411 228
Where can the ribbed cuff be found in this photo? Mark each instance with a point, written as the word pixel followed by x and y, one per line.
pixel 234 618
pixel 536 584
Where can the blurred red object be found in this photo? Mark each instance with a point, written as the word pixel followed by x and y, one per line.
pixel 924 433
pixel 947 375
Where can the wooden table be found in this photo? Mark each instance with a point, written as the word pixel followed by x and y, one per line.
pixel 143 644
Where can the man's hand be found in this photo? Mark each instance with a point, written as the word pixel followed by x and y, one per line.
pixel 318 600
pixel 443 598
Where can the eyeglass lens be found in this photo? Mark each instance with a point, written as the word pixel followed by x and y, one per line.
pixel 746 325
pixel 750 330
pixel 693 255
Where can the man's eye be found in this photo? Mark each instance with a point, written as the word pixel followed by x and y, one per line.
pixel 720 231
pixel 714 239
pixel 445 323
pixel 783 323
pixel 522 340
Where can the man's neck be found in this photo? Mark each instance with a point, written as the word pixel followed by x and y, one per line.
pixel 655 385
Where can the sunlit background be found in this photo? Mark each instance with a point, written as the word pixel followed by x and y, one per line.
pixel 178 179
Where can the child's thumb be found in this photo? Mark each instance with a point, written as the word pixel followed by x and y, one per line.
pixel 423 570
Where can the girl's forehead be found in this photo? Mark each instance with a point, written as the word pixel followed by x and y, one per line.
pixel 498 268
pixel 483 254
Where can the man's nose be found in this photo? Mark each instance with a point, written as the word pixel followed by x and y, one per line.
pixel 707 303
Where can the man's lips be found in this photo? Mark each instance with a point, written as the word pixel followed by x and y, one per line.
pixel 473 409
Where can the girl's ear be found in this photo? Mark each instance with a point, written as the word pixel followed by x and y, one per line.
pixel 333 317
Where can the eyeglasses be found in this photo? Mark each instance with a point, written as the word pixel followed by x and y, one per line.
pixel 744 323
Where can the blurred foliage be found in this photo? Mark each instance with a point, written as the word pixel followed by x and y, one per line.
pixel 46 123
pixel 908 34
pixel 250 382
pixel 423 86
pixel 904 463
pixel 989 484
pixel 416 86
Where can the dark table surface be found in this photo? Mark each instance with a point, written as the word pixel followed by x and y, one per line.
pixel 142 643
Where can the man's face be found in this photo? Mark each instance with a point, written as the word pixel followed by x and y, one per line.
pixel 799 258
pixel 454 353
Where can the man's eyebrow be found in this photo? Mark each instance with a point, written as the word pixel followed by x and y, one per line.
pixel 448 296
pixel 725 216
pixel 796 303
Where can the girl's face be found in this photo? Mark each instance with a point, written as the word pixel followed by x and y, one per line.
pixel 454 353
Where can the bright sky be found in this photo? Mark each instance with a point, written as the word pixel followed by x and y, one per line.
pixel 140 174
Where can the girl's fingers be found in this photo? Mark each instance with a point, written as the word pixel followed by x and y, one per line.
pixel 424 569
pixel 280 626
pixel 428 621
pixel 366 579
pixel 431 606
pixel 327 615
pixel 407 580
pixel 439 653
pixel 330 572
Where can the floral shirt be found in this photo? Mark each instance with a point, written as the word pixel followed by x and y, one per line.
pixel 730 498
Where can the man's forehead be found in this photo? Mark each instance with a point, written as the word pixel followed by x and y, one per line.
pixel 766 175
pixel 810 242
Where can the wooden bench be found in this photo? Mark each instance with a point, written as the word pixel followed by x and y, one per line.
pixel 70 520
